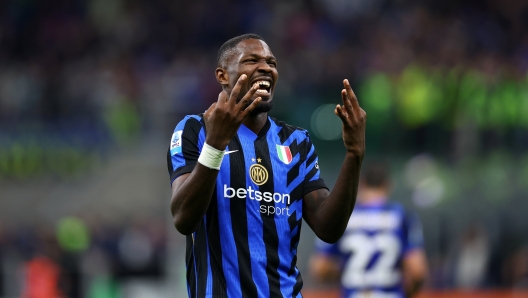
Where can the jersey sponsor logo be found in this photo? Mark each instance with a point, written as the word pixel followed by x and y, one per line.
pixel 258 174
pixel 176 142
pixel 284 154
pixel 253 194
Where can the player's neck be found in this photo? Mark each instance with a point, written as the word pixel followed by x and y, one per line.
pixel 256 122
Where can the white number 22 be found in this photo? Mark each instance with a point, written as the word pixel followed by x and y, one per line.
pixel 363 248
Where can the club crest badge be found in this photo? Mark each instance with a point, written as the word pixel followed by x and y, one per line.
pixel 284 154
pixel 258 174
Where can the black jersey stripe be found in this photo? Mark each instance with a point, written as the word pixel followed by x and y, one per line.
pixel 191 266
pixel 239 220
pixel 286 130
pixel 200 250
pixel 298 285
pixel 311 173
pixel 270 229
pixel 294 148
pixel 190 137
pixel 311 159
pixel 169 163
pixel 293 222
pixel 293 173
pixel 215 249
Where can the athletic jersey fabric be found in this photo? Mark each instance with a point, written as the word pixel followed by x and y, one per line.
pixel 246 244
pixel 372 249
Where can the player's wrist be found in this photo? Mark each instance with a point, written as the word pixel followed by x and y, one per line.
pixel 355 154
pixel 211 157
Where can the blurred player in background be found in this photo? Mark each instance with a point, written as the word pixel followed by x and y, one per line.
pixel 381 252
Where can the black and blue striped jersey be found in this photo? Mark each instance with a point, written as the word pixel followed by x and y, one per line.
pixel 246 244
pixel 377 239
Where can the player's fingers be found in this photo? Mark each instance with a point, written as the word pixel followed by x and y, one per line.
pixel 351 95
pixel 341 113
pixel 210 110
pixel 244 102
pixel 222 97
pixel 251 107
pixel 347 103
pixel 236 90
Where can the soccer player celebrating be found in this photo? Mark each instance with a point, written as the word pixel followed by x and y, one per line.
pixel 380 254
pixel 243 181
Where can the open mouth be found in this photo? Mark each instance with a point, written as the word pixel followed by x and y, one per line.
pixel 264 87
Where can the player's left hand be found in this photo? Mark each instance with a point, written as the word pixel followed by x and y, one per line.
pixel 354 121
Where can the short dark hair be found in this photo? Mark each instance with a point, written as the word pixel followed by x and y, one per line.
pixel 375 175
pixel 229 47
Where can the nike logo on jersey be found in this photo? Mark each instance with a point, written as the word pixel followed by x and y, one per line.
pixel 229 152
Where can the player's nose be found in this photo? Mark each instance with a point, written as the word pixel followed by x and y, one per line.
pixel 264 66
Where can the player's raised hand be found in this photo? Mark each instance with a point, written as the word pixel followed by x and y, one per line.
pixel 223 118
pixel 354 121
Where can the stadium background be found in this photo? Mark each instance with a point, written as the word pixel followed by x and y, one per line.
pixel 90 91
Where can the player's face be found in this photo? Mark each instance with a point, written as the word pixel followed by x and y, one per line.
pixel 254 59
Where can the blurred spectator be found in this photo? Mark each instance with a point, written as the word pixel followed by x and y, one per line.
pixel 515 269
pixel 42 278
pixel 471 258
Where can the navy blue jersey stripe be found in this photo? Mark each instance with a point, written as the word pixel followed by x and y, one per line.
pixel 239 220
pixel 270 230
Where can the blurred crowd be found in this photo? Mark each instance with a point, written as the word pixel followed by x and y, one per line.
pixel 89 63
pixel 80 258
pixel 78 78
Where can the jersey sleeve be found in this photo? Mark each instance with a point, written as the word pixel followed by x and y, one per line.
pixel 412 234
pixel 312 179
pixel 185 146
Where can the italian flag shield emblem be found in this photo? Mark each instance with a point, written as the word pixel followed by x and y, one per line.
pixel 284 154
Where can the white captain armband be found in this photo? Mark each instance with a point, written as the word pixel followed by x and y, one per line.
pixel 211 157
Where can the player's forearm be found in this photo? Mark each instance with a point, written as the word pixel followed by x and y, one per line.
pixel 335 212
pixel 190 201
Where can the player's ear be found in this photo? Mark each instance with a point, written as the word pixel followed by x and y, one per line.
pixel 222 76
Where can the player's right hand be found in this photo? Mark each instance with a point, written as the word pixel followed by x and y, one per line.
pixel 223 118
